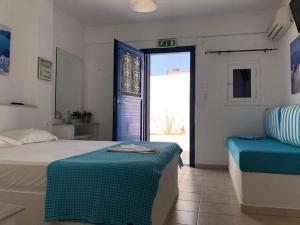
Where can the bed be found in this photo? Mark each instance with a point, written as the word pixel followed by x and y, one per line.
pixel 23 179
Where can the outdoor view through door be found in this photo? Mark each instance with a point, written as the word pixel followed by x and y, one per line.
pixel 170 99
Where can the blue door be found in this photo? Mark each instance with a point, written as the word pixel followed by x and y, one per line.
pixel 128 93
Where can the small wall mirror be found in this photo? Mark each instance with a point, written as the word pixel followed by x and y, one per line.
pixel 69 83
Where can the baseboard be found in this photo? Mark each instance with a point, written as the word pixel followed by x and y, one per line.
pixel 269 211
pixel 211 166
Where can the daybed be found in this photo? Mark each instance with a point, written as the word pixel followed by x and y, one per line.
pixel 266 172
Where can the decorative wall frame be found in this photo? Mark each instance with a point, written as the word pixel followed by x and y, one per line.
pixel 5 37
pixel 44 69
pixel 295 65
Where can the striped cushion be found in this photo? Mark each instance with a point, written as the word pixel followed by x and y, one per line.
pixel 272 122
pixel 290 125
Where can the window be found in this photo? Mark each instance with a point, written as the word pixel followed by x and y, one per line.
pixel 242 83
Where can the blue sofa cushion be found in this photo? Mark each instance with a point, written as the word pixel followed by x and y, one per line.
pixel 272 122
pixel 290 125
pixel 265 156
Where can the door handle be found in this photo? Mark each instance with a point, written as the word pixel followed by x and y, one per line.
pixel 115 103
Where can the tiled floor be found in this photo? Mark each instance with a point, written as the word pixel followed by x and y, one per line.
pixel 207 198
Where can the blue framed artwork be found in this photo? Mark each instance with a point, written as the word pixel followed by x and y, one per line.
pixel 295 65
pixel 5 37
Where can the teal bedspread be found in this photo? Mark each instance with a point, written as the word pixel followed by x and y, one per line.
pixel 107 188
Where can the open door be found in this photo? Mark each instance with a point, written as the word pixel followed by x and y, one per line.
pixel 129 83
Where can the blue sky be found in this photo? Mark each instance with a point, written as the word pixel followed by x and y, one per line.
pixel 161 63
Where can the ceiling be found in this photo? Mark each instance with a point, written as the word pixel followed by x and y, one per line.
pixel 108 12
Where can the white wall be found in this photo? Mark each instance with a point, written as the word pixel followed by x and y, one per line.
pixel 31 23
pixel 38 27
pixel 68 33
pixel 215 121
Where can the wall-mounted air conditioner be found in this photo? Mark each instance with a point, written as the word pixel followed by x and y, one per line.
pixel 280 24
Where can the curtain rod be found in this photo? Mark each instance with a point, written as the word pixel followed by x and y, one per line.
pixel 242 50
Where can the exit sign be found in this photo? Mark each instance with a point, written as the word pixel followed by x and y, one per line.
pixel 166 43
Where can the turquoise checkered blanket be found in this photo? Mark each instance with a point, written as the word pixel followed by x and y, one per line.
pixel 109 188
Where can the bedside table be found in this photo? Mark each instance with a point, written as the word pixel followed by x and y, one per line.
pixel 8 213
pixel 80 131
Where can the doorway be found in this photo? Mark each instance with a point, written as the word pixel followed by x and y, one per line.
pixel 170 102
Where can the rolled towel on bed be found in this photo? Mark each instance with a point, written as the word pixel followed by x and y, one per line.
pixel 131 148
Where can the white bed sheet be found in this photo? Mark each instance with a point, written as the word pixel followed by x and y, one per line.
pixel 23 168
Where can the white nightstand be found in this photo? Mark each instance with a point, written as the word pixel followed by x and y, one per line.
pixel 80 131
pixel 8 213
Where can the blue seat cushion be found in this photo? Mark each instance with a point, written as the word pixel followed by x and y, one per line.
pixel 265 156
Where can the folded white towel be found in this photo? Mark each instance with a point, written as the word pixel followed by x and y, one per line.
pixel 131 148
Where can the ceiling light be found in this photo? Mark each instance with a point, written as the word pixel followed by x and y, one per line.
pixel 143 6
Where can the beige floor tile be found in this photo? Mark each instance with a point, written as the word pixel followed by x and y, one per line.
pixel 186 196
pixel 216 190
pixel 189 188
pixel 183 217
pixel 292 213
pixel 223 209
pixel 222 180
pixel 209 180
pixel 288 221
pixel 263 211
pixel 209 219
pixel 218 219
pixel 219 198
pixel 199 172
pixel 208 174
pixel 187 206
pixel 172 223
pixel 207 183
pixel 211 192
pixel 265 220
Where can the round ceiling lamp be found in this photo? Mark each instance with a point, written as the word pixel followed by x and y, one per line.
pixel 143 6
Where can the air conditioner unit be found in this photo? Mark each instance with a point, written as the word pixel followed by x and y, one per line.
pixel 281 23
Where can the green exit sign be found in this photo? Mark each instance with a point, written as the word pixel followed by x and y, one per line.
pixel 166 43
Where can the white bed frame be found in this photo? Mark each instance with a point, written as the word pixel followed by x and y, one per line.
pixel 266 193
pixel 35 202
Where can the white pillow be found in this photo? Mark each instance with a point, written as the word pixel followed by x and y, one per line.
pixel 28 136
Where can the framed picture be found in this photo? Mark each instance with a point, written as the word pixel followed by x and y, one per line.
pixel 44 69
pixel 295 65
pixel 5 37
